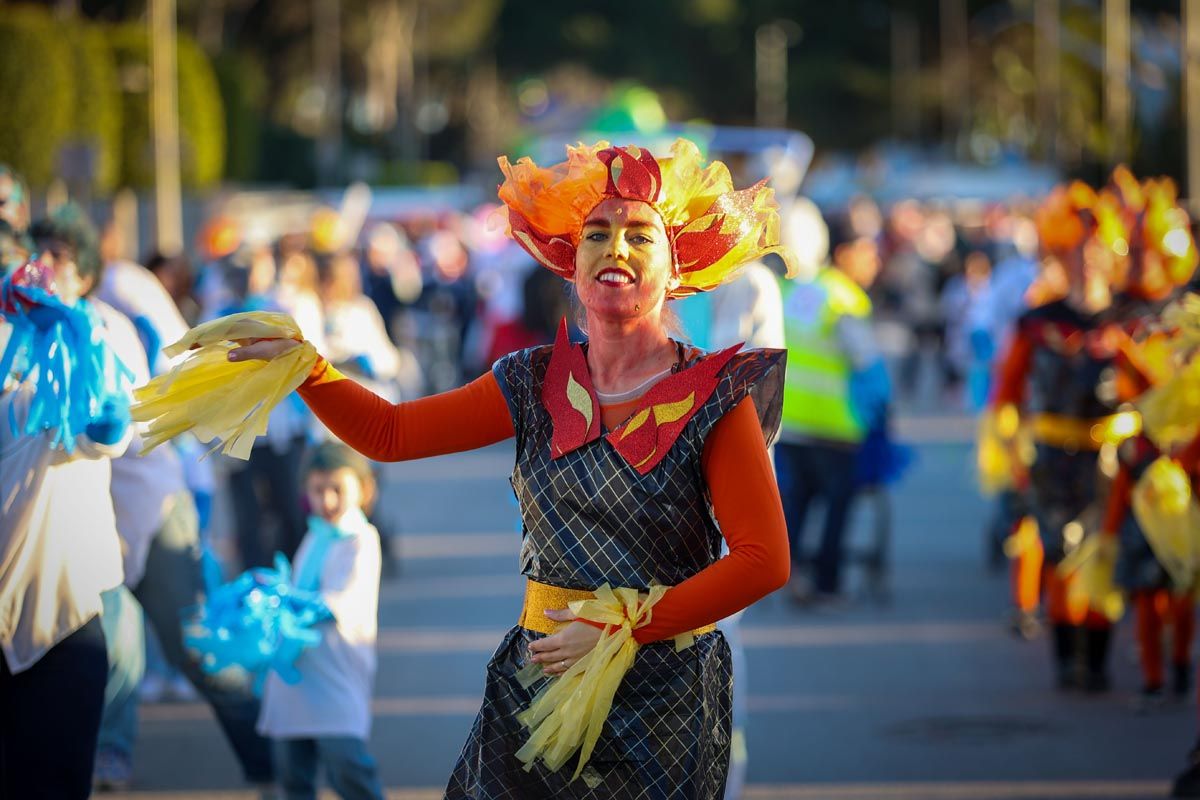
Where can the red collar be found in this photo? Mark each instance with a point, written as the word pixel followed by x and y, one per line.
pixel 661 413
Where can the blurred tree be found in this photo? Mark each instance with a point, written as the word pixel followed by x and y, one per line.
pixel 201 114
pixel 36 93
pixel 243 84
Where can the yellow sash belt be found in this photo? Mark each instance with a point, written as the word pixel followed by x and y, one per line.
pixel 1072 433
pixel 540 597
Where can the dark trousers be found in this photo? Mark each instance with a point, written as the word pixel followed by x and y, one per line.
pixel 173 582
pixel 348 767
pixel 809 472
pixel 270 482
pixel 50 717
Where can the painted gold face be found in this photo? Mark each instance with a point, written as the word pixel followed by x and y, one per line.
pixel 623 264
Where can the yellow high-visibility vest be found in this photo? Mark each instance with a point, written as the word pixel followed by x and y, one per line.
pixel 816 394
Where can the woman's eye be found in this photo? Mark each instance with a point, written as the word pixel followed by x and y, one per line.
pixel 596 236
pixel 640 238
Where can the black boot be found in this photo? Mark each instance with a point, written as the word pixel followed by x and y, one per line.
pixel 1066 668
pixel 1187 783
pixel 1182 683
pixel 1096 654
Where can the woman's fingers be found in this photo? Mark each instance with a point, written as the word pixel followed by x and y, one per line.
pixel 261 349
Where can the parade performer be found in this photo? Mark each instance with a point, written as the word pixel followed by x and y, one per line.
pixel 63 415
pixel 1051 376
pixel 1163 258
pixel 635 455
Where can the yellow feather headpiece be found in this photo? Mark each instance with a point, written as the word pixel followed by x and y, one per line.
pixel 713 228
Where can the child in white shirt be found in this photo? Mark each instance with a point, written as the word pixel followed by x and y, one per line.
pixel 325 718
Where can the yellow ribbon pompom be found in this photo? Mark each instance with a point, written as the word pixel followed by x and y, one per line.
pixel 1093 565
pixel 568 715
pixel 1170 519
pixel 1171 412
pixel 220 399
pixel 1001 449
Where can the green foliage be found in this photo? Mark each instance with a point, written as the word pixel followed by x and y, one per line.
pixel 201 115
pixel 36 93
pixel 96 121
pixel 243 84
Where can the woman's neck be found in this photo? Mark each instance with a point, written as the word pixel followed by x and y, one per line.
pixel 622 354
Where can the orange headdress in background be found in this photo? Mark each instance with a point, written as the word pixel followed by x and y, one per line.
pixel 1166 230
pixel 714 229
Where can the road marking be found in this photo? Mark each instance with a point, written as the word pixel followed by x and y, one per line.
pixel 949 790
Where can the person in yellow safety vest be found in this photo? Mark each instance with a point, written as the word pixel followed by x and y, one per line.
pixel 836 388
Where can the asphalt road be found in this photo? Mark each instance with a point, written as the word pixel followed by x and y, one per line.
pixel 924 696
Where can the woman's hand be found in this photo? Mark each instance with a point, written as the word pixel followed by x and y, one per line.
pixel 261 349
pixel 559 652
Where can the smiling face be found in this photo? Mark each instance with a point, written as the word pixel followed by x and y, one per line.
pixel 623 265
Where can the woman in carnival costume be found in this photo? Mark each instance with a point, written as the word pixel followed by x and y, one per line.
pixel 635 455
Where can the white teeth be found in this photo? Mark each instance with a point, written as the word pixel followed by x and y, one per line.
pixel 615 278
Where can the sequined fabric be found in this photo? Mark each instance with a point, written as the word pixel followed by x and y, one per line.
pixel 590 518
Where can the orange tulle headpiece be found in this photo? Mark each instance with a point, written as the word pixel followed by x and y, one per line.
pixel 1070 215
pixel 714 229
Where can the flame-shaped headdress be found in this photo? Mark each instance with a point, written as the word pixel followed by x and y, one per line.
pixel 713 228
pixel 1070 215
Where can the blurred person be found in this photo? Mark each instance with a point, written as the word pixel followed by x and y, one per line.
pixel 58 536
pixel 968 358
pixel 14 200
pixel 449 299
pixel 356 341
pixel 835 389
pixel 391 277
pixel 543 304
pixel 323 719
pixel 266 487
pixel 159 526
pixel 1051 376
pixel 176 276
pixel 906 292
pixel 14 248
pixel 687 435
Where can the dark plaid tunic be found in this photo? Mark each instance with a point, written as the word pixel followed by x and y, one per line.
pixel 589 518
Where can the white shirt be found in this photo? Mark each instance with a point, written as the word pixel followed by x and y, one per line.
pixel 333 696
pixel 748 309
pixel 58 536
pixel 143 486
pixel 134 291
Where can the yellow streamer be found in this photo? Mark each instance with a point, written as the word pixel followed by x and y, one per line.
pixel 218 399
pixel 1003 449
pixel 568 715
pixel 1171 412
pixel 1164 507
pixel 1094 564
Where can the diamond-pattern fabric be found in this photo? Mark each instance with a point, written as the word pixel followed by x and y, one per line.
pixel 589 518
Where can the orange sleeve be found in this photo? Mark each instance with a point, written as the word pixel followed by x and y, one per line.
pixel 472 416
pixel 1118 502
pixel 1014 371
pixel 746 502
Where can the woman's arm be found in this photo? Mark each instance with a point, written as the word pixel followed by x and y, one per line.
pixel 746 502
pixel 472 416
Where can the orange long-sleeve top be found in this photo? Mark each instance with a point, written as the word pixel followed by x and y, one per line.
pixel 735 463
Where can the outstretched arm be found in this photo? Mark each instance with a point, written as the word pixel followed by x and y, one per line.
pixel 746 503
pixel 472 416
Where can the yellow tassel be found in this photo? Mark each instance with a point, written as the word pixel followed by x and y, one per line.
pixel 568 715
pixel 1164 507
pixel 218 399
